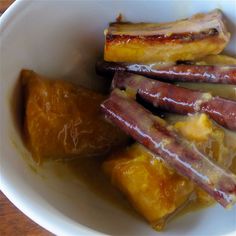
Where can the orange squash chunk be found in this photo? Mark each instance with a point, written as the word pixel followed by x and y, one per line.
pixel 63 121
pixel 153 189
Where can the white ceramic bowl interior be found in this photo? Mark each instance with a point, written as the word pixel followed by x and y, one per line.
pixel 64 38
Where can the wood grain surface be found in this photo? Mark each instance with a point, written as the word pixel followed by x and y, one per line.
pixel 12 221
pixel 4 4
pixel 15 223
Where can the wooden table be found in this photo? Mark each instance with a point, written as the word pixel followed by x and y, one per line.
pixel 12 221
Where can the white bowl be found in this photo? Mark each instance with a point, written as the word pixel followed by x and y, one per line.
pixel 64 38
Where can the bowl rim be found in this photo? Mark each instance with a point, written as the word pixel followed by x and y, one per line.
pixel 58 224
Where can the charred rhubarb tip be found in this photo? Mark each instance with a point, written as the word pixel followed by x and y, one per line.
pixel 187 39
pixel 146 129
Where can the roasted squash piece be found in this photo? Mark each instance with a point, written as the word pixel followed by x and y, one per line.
pixel 207 136
pixel 154 190
pixel 63 121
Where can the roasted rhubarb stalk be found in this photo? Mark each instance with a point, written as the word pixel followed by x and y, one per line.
pixel 152 132
pixel 188 39
pixel 224 74
pixel 177 99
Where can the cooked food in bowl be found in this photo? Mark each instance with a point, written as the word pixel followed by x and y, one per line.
pixel 168 146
